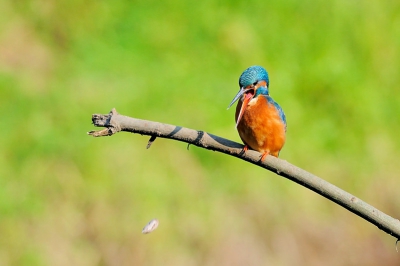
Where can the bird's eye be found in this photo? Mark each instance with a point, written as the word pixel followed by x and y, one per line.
pixel 255 83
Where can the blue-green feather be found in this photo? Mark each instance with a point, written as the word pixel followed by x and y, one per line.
pixel 279 109
pixel 253 74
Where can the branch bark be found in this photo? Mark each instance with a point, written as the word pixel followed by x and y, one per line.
pixel 114 123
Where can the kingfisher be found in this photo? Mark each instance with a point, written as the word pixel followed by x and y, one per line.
pixel 260 121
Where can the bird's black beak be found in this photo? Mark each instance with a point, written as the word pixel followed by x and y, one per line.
pixel 238 95
pixel 249 94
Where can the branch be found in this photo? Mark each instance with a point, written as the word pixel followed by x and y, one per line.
pixel 114 123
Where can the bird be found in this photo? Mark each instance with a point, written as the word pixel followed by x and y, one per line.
pixel 260 121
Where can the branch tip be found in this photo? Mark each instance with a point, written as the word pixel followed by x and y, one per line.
pixel 113 112
pixel 151 140
pixel 102 133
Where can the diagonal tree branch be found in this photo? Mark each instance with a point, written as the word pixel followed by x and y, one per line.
pixel 114 123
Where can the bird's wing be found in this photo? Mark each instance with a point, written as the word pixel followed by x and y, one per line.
pixel 279 109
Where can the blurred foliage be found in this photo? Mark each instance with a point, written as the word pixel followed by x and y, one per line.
pixel 69 199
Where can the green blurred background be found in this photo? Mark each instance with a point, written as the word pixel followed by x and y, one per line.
pixel 70 199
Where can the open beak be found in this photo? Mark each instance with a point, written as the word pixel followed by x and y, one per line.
pixel 238 95
pixel 248 95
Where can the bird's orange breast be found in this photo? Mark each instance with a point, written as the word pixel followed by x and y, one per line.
pixel 261 127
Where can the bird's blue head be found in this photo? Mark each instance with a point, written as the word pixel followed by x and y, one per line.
pixel 252 75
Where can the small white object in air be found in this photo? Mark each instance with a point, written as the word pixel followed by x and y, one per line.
pixel 150 227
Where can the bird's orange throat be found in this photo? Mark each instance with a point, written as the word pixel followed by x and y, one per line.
pixel 248 95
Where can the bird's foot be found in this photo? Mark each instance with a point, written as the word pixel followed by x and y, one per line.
pixel 245 148
pixel 264 155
